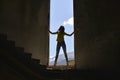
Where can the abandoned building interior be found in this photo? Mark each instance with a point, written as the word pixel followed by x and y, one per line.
pixel 24 40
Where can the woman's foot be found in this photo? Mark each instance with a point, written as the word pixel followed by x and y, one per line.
pixel 67 64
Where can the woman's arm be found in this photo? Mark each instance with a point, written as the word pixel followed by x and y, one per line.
pixel 53 32
pixel 69 34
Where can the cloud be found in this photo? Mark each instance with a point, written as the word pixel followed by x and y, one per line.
pixel 69 22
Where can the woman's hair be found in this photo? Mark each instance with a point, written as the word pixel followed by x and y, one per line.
pixel 61 29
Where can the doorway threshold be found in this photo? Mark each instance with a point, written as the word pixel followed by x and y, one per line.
pixel 60 67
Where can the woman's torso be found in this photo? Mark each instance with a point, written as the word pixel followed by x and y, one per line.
pixel 60 37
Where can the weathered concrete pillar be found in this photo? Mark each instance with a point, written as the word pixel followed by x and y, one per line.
pixel 97 41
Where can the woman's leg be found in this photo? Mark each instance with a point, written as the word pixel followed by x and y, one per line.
pixel 65 52
pixel 57 53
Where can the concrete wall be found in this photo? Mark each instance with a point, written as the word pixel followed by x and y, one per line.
pixel 26 22
pixel 97 37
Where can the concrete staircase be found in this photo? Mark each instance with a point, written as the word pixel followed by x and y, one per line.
pixel 15 64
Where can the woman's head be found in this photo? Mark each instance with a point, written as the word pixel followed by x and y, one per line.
pixel 61 29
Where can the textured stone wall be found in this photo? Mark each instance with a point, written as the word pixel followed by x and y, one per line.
pixel 26 22
pixel 97 37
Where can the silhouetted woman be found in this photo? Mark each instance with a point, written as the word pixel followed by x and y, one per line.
pixel 61 43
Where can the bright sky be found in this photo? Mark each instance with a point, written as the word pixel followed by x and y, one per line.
pixel 61 13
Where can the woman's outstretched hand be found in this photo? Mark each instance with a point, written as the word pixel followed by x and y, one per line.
pixel 72 33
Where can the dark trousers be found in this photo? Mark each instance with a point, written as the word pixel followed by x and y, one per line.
pixel 59 45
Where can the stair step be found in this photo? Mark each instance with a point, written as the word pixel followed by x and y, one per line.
pixel 3 36
pixel 19 49
pixel 11 43
pixel 36 60
pixel 28 55
pixel 7 43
